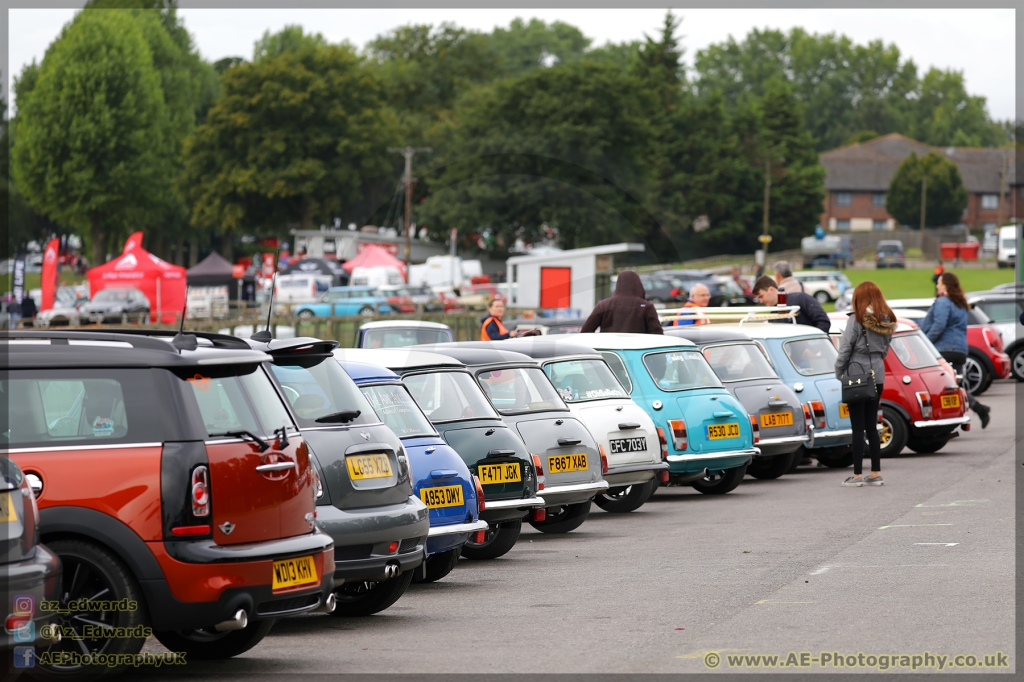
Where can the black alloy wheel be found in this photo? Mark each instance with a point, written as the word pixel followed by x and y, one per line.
pixel 720 482
pixel 364 598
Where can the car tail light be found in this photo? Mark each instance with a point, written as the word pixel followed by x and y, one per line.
pixel 180 531
pixel 318 486
pixel 481 502
pixel 663 442
pixel 403 466
pixel 818 410
pixel 924 401
pixel 678 429
pixel 540 471
pixel 604 459
pixel 200 493
pixel 676 292
pixel 993 339
pixel 881 417
pixel 663 477
pixel 808 420
pixel 479 536
pixel 755 428
pixel 540 514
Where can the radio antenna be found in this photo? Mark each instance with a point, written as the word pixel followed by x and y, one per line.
pixel 181 340
pixel 265 335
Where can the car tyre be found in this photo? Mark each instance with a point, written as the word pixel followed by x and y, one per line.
pixel 768 468
pixel 720 482
pixel 1017 364
pixel 439 565
pixel 366 311
pixel 207 644
pixel 306 315
pixel 926 447
pixel 357 599
pixel 624 499
pixel 498 540
pixel 834 460
pixel 893 436
pixel 976 375
pixel 89 569
pixel 564 519
pixel 823 297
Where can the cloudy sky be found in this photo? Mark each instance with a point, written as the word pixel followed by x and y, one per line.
pixel 979 42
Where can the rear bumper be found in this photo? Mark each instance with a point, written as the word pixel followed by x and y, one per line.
pixel 634 474
pixel 828 439
pixel 925 425
pixel 770 447
pixel 497 511
pixel 456 528
pixel 38 576
pixel 728 459
pixel 573 493
pixel 444 538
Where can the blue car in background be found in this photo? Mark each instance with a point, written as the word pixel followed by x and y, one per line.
pixel 805 358
pixel 708 434
pixel 440 478
pixel 345 302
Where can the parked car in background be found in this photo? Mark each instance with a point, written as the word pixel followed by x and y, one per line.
pixel 722 294
pixel 345 302
pixel 66 310
pixel 625 432
pixel 990 244
pixel 441 480
pixel 401 333
pixel 922 405
pixel 706 434
pixel 446 392
pixel 1006 253
pixel 571 460
pixel 300 288
pixel 364 494
pixel 479 296
pixel 418 295
pixel 548 325
pixel 889 254
pixel 116 305
pixel 824 286
pixel 160 467
pixel 1003 308
pixel 733 293
pixel 749 376
pixel 29 572
pixel 662 289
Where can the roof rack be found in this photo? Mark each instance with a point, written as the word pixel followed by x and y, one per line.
pixel 739 314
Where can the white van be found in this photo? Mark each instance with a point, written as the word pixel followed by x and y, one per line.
pixel 376 276
pixel 1006 254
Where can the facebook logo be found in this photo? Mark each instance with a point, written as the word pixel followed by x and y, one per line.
pixel 26 633
pixel 24 657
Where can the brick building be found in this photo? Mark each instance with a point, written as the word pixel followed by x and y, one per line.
pixel 857 178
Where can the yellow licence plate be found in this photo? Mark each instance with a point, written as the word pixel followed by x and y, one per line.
pixel 368 466
pixel 720 431
pixel 294 572
pixel 562 464
pixel 950 402
pixel 7 514
pixel 491 474
pixel 776 419
pixel 446 496
pixel 844 411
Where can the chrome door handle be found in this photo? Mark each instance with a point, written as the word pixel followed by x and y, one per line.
pixel 276 466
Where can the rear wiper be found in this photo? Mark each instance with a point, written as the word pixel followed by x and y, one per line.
pixel 245 435
pixel 342 417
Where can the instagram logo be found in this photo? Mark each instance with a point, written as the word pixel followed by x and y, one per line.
pixel 24 604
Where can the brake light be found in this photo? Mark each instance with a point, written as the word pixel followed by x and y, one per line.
pixel 755 428
pixel 191 530
pixel 393 547
pixel 924 401
pixel 540 514
pixel 540 472
pixel 663 442
pixel 818 410
pixel 675 292
pixel 403 464
pixel 678 429
pixel 200 495
pixel 479 536
pixel 808 421
pixel 481 503
pixel 604 459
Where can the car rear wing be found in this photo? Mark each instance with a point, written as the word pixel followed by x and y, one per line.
pixel 734 314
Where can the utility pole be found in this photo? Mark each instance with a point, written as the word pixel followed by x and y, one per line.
pixel 765 237
pixel 408 153
pixel 924 205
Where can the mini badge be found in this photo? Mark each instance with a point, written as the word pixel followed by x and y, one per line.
pixel 226 527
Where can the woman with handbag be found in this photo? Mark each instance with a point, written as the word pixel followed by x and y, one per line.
pixel 861 369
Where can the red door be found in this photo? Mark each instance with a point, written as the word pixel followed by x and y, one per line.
pixel 555 287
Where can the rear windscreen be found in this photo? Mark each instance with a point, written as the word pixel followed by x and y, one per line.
pixel 812 356
pixel 680 370
pixel 914 351
pixel 448 396
pixel 239 402
pixel 399 338
pixel 398 410
pixel 322 390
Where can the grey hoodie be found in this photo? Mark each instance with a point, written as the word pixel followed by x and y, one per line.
pixel 853 347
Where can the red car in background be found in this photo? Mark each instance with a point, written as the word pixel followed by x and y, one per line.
pixel 922 405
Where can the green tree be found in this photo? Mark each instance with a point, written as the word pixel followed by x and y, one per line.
pixel 945 194
pixel 297 139
pixel 524 46
pixel 95 140
pixel 289 39
pixel 944 114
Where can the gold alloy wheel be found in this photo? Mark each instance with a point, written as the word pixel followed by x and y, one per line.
pixel 885 435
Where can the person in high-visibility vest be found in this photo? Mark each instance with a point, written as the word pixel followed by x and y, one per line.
pixel 492 329
pixel 700 296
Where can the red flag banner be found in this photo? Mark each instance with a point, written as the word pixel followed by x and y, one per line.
pixel 49 283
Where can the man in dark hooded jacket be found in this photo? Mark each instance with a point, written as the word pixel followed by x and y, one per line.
pixel 628 310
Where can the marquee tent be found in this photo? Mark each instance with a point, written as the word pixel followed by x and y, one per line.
pixel 162 283
pixel 373 256
pixel 214 271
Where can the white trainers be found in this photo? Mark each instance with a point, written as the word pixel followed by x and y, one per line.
pixel 852 482
pixel 877 480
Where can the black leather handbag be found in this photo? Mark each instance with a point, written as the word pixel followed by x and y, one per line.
pixel 859 388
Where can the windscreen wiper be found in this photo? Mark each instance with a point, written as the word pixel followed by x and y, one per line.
pixel 245 435
pixel 342 417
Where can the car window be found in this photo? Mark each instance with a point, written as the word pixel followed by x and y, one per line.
pixel 448 396
pixel 581 380
pixel 913 352
pixel 320 390
pixel 738 362
pixel 1000 311
pixel 399 338
pixel 238 402
pixel 680 370
pixel 619 370
pixel 398 410
pixel 321 286
pixel 111 296
pixel 521 389
pixel 812 356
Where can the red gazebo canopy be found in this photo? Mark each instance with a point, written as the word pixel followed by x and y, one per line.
pixel 374 256
pixel 163 284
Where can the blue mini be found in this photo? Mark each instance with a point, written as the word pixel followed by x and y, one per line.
pixel 706 431
pixel 805 358
pixel 440 478
pixel 345 302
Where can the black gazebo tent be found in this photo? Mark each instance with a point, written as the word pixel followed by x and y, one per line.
pixel 213 271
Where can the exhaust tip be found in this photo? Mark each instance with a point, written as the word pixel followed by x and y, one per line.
pixel 237 622
pixel 391 571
